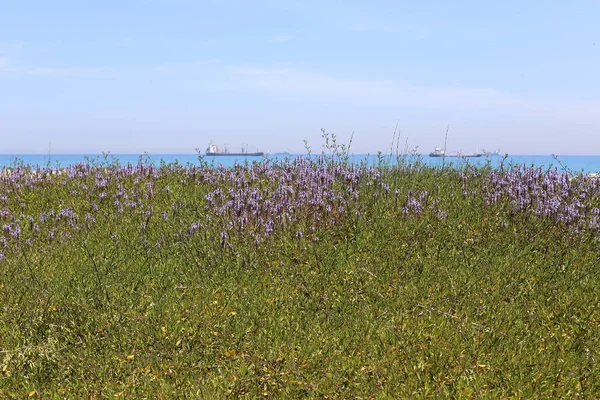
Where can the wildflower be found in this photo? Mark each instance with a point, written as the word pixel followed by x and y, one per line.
pixel 223 239
pixel 195 226
pixel 16 231
pixel 150 188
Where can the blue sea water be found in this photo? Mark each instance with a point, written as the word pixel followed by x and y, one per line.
pixel 570 163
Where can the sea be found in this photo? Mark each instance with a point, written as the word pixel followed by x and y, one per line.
pixel 568 163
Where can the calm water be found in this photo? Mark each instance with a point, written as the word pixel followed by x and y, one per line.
pixel 572 163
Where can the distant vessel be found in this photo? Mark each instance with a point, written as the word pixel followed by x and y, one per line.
pixel 491 153
pixel 214 150
pixel 439 152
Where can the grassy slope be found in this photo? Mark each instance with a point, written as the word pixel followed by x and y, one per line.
pixel 380 304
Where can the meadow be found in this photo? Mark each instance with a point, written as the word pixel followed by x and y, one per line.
pixel 301 278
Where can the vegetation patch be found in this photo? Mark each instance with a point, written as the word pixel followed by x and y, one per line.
pixel 307 277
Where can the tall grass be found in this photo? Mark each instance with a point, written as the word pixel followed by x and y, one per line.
pixel 298 278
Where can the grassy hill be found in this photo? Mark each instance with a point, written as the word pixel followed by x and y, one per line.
pixel 301 278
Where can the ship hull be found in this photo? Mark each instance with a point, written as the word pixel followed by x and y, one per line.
pixel 454 155
pixel 257 154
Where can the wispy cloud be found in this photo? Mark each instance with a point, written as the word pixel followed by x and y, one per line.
pixel 313 86
pixel 281 38
pixel 291 83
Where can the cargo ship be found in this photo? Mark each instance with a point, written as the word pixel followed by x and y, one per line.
pixel 439 152
pixel 214 150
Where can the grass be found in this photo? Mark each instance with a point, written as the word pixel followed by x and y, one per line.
pixel 299 279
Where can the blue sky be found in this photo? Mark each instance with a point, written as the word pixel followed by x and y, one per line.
pixel 168 76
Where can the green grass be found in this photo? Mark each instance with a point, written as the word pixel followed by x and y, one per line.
pixel 485 303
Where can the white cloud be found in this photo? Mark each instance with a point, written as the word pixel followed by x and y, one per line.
pixel 307 99
pixel 318 88
pixel 315 87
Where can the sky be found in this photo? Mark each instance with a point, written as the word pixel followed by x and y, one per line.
pixel 170 76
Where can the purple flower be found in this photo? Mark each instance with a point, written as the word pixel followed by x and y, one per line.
pixel 16 231
pixel 193 228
